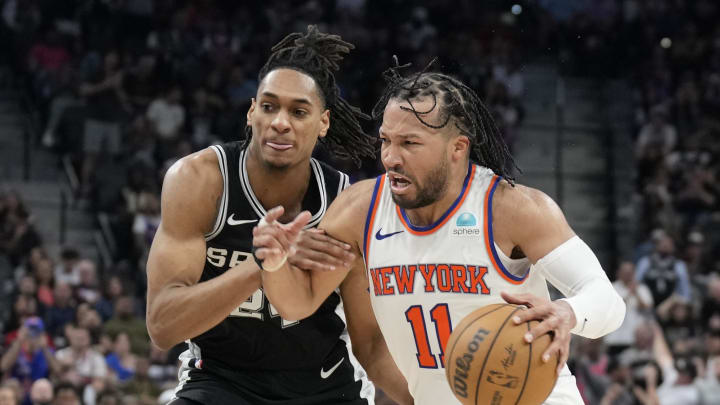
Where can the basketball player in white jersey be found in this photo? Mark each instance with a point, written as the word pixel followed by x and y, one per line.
pixel 443 232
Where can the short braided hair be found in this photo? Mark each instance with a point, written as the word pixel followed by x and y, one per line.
pixel 317 54
pixel 455 100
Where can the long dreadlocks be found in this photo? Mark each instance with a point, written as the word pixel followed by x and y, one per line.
pixel 457 102
pixel 317 54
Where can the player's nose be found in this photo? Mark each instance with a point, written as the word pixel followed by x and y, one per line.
pixel 280 122
pixel 391 158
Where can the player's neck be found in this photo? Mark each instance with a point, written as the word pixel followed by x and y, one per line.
pixel 429 214
pixel 279 186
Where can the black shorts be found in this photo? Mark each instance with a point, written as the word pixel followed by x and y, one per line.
pixel 338 382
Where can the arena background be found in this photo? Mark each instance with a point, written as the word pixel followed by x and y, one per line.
pixel 610 106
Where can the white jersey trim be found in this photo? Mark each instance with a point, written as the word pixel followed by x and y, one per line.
pixel 222 211
pixel 258 207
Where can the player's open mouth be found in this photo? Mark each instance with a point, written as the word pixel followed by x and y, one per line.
pixel 398 184
pixel 279 146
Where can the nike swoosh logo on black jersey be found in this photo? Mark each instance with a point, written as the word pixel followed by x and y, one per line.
pixel 232 222
pixel 325 374
pixel 380 236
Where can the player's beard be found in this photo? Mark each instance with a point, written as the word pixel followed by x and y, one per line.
pixel 430 191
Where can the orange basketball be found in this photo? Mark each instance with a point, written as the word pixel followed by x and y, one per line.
pixel 489 363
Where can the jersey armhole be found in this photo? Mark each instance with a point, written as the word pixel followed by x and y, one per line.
pixel 490 241
pixel 222 210
pixel 369 221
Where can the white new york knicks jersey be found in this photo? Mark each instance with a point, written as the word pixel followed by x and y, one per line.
pixel 425 280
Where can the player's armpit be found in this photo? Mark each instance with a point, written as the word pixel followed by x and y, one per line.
pixel 529 219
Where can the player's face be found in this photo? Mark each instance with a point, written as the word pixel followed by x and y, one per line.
pixel 415 156
pixel 287 117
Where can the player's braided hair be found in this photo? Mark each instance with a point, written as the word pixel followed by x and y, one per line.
pixel 456 101
pixel 317 54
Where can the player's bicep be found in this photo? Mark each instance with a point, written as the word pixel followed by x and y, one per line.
pixel 174 260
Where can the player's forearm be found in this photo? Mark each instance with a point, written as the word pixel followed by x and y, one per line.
pixel 180 312
pixel 574 269
pixel 289 289
pixel 383 371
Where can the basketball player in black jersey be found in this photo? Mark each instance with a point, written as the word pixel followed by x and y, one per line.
pixel 204 286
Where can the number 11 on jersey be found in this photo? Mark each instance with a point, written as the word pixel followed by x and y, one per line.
pixel 440 315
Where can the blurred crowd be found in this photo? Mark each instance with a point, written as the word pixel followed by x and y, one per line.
pixel 123 89
pixel 668 349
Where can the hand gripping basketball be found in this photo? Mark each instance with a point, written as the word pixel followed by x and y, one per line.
pixel 272 240
pixel 556 318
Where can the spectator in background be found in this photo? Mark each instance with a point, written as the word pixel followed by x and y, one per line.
pixel 121 361
pixel 29 357
pixel 21 237
pixel 141 82
pixel 87 317
pixel 81 363
pixel 41 392
pixel 146 223
pixel 87 290
pixel 24 307
pixel 7 396
pixel 656 134
pixel 62 312
pixel 46 60
pixel 675 318
pixel 125 321
pixel 106 304
pixel 43 273
pixel 639 302
pixel 66 271
pixel 107 106
pixel 66 394
pixel 141 385
pixel 108 397
pixel 664 273
pixel 678 375
pixel 167 116
pixel 710 312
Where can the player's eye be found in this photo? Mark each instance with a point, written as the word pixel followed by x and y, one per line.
pixel 301 113
pixel 267 107
pixel 384 140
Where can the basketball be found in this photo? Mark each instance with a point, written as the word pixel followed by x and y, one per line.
pixel 489 362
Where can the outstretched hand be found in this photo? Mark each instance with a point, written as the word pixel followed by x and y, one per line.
pixel 554 316
pixel 273 240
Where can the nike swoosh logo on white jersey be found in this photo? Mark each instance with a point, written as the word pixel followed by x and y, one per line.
pixel 326 374
pixel 232 222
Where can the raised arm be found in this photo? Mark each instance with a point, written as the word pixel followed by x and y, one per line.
pixel 180 307
pixel 301 285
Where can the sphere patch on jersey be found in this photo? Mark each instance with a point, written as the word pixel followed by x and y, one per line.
pixel 466 219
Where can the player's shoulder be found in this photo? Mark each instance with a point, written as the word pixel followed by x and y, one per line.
pixel 353 203
pixel 192 184
pixel 513 200
pixel 199 170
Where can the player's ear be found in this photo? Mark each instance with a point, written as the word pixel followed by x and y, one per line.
pixel 460 147
pixel 324 123
pixel 251 110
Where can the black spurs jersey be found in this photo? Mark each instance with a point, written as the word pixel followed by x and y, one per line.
pixel 254 336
